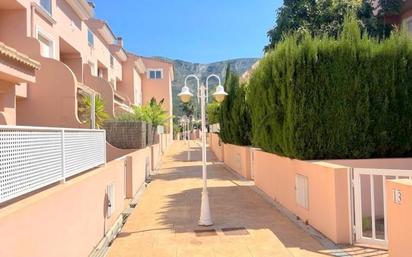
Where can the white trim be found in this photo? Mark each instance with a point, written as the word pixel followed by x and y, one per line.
pixel 43 13
pixel 47 36
pixel 47 128
pixel 351 205
pixel 157 69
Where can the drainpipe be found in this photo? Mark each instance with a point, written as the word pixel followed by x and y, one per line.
pixel 32 20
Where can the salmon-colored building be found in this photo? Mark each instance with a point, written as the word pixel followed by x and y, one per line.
pixel 157 83
pixel 16 70
pixel 79 56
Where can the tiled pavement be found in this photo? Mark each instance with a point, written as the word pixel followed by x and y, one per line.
pixel 165 220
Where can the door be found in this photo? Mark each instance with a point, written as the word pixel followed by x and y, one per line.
pixel 370 204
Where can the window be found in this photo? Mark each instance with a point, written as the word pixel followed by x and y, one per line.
pixel 155 74
pixel 302 194
pixel 93 68
pixel 111 61
pixel 47 5
pixel 46 46
pixel 100 72
pixel 90 38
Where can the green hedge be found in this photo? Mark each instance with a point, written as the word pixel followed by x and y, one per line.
pixel 213 110
pixel 321 98
pixel 234 114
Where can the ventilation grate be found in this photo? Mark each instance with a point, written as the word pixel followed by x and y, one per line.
pixel 240 231
pixel 206 232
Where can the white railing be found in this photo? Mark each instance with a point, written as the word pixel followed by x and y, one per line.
pixel 34 157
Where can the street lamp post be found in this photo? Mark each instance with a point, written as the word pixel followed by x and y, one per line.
pixel 185 95
pixel 188 137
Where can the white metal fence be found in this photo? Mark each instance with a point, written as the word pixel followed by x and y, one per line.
pixel 34 157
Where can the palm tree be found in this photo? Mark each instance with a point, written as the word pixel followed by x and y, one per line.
pixel 154 114
pixel 100 114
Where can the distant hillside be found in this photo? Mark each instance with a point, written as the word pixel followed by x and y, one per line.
pixel 183 68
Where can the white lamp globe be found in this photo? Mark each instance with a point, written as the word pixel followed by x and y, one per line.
pixel 185 95
pixel 220 94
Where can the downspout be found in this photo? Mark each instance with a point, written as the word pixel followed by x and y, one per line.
pixel 32 20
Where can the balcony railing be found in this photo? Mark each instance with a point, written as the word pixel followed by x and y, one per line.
pixel 34 157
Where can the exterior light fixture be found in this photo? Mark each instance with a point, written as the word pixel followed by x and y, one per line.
pixel 220 94
pixel 205 218
pixel 185 95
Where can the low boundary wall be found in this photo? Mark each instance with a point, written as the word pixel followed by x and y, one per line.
pixel 325 190
pixel 216 145
pixel 70 219
pixel 316 192
pixel 399 208
pixel 238 158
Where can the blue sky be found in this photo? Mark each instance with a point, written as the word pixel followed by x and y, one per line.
pixel 193 30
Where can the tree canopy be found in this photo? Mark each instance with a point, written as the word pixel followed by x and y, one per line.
pixel 320 17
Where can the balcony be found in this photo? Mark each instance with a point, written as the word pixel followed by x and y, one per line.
pixel 122 103
pixel 52 98
pixel 15 68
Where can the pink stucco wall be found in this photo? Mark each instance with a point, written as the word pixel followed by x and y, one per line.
pixel 132 81
pixel 156 156
pixel 66 220
pixel 328 197
pixel 52 100
pixel 238 158
pixel 70 219
pixel 399 215
pixel 7 103
pixel 138 169
pixel 216 146
pixel 101 86
pixel 383 163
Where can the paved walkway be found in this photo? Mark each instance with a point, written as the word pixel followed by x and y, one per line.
pixel 165 221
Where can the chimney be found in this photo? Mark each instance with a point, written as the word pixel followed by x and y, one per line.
pixel 120 41
pixel 91 4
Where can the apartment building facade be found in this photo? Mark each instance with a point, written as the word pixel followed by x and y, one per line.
pixel 157 83
pixel 79 56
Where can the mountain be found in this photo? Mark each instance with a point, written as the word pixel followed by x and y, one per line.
pixel 184 68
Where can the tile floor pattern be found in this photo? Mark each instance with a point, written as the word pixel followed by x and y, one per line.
pixel 165 220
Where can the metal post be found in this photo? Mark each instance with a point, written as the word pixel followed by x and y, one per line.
pixel 93 111
pixel 63 158
pixel 205 215
pixel 188 129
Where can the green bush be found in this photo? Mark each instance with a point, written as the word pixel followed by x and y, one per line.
pixel 213 110
pixel 234 116
pixel 321 98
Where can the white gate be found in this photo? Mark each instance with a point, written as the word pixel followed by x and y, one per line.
pixel 370 203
